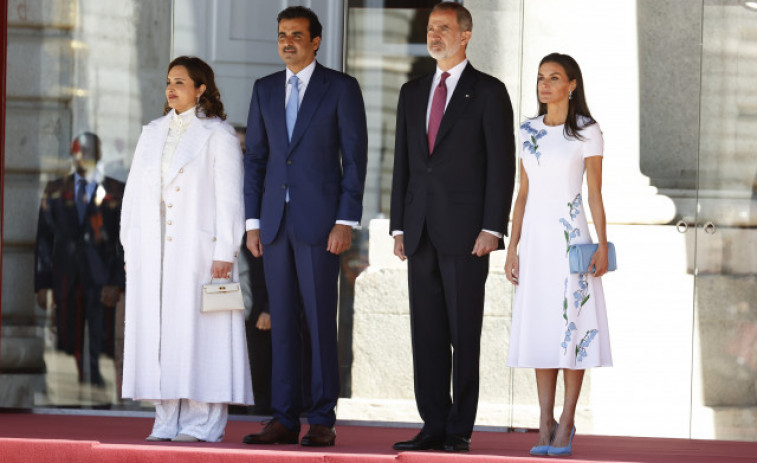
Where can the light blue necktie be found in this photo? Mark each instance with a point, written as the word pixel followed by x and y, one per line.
pixel 292 106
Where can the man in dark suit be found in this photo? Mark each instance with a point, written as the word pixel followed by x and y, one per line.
pixel 454 172
pixel 78 256
pixel 305 171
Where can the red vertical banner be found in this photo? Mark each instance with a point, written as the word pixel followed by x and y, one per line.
pixel 3 60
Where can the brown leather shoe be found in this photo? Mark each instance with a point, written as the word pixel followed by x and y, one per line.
pixel 273 433
pixel 319 436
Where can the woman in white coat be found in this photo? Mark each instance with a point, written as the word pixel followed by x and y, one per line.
pixel 182 221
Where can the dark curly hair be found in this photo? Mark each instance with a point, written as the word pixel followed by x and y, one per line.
pixel 201 73
pixel 577 104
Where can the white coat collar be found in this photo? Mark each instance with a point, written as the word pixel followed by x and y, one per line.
pixel 192 143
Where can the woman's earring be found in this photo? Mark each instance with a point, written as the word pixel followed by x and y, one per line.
pixel 570 95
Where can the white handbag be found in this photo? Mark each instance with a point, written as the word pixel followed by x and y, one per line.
pixel 221 296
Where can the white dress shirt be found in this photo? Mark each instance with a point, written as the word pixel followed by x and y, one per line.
pixel 451 83
pixel 303 79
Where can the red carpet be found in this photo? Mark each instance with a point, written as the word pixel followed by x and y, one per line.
pixel 38 438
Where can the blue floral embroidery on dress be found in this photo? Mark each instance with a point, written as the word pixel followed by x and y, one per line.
pixel 565 301
pixel 581 347
pixel 575 206
pixel 571 327
pixel 569 233
pixel 581 295
pixel 532 145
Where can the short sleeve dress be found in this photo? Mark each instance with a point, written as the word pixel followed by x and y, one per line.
pixel 559 318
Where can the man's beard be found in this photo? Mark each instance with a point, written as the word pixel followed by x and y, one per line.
pixel 447 52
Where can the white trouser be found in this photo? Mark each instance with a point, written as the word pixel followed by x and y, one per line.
pixel 202 420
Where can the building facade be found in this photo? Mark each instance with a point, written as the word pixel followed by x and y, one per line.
pixel 670 82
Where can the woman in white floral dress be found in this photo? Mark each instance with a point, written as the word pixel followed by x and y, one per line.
pixel 559 318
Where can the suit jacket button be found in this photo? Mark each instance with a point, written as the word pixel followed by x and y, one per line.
pixel 169 223
pixel 169 239
pixel 177 189
pixel 289 162
pixel 181 171
pixel 428 169
pixel 214 238
pixel 284 186
pixel 169 205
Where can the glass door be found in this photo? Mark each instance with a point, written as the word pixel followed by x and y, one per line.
pixel 82 78
pixel 385 46
pixel 724 404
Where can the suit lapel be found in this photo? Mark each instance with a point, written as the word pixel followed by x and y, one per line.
pixel 462 95
pixel 191 144
pixel 314 93
pixel 276 107
pixel 419 108
pixel 155 137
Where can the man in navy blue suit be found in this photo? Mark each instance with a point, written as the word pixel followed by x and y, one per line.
pixel 305 167
pixel 78 257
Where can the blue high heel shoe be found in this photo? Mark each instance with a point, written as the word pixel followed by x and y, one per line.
pixel 563 451
pixel 541 450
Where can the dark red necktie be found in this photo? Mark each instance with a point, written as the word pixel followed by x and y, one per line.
pixel 437 111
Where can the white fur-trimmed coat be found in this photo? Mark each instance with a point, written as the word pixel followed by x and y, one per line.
pixel 171 349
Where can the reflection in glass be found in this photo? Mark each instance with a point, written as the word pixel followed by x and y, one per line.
pixel 79 259
pixel 385 47
pixel 82 79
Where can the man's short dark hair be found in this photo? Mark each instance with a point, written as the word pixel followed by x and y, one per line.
pixel 464 18
pixel 294 12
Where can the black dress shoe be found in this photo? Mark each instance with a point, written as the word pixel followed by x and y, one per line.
pixel 421 442
pixel 273 433
pixel 456 444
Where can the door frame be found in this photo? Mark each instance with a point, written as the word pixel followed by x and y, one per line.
pixel 3 60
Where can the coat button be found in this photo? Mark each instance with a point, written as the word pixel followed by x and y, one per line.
pixel 284 186
pixel 177 189
pixel 169 205
pixel 181 171
pixel 169 239
pixel 289 162
pixel 214 238
pixel 169 223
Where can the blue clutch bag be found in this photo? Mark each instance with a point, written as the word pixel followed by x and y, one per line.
pixel 579 256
